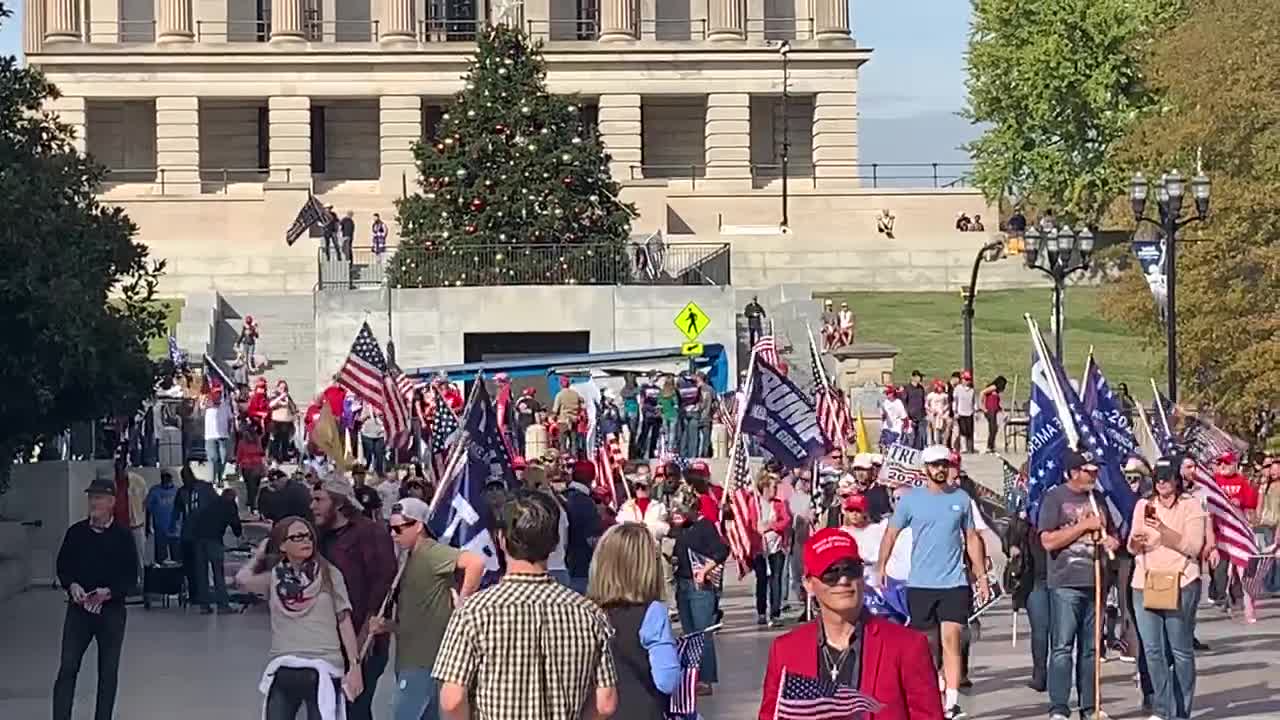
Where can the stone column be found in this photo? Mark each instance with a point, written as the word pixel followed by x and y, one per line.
pixel 289 144
pixel 728 139
pixel 397 22
pixel 73 112
pixel 287 21
pixel 62 21
pixel 618 21
pixel 33 24
pixel 831 19
pixel 173 22
pixel 727 20
pixel 835 137
pixel 178 144
pixel 620 132
pixel 399 127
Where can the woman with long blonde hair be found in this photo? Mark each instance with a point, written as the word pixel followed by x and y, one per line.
pixel 311 630
pixel 626 581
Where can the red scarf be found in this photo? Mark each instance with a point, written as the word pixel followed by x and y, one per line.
pixel 642 504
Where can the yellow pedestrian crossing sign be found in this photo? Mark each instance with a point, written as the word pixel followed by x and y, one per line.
pixel 692 321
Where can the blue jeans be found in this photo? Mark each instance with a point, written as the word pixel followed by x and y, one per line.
pixel 1265 537
pixel 1171 660
pixel 1039 615
pixel 669 431
pixel 417 695
pixel 689 436
pixel 697 608
pixel 216 453
pixel 209 554
pixel 1072 629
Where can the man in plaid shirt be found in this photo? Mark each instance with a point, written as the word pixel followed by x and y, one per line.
pixel 528 647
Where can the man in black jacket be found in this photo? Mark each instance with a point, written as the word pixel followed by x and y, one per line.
pixel 204 517
pixel 914 403
pixel 97 565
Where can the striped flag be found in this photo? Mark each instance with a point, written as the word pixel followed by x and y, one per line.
pixel 699 562
pixel 1255 576
pixel 1015 487
pixel 312 213
pixel 804 698
pixel 608 461
pixel 366 374
pixel 831 404
pixel 444 430
pixel 743 536
pixel 767 348
pixel 1234 535
pixel 689 648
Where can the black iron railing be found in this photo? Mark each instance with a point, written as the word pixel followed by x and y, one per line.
pixel 651 262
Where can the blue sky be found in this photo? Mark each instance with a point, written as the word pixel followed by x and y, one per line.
pixel 908 93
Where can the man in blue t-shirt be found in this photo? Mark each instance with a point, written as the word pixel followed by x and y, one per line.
pixel 939 597
pixel 159 507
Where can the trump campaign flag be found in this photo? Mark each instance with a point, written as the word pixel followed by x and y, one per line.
pixel 460 516
pixel 1112 435
pixel 1046 437
pixel 782 417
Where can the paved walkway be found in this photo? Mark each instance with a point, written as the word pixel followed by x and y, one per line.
pixel 185 666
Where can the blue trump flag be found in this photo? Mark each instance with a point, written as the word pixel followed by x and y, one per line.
pixel 1046 438
pixel 781 417
pixel 460 515
pixel 1113 440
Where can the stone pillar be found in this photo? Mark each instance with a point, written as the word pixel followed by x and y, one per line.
pixel 33 24
pixel 397 22
pixel 728 139
pixel 174 23
pixel 727 20
pixel 835 136
pixel 618 21
pixel 288 18
pixel 831 19
pixel 289 144
pixel 620 132
pixel 73 112
pixel 178 144
pixel 399 127
pixel 62 21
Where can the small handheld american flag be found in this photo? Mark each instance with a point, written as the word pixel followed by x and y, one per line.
pixel 804 698
pixel 689 648
pixel 699 562
pixel 444 428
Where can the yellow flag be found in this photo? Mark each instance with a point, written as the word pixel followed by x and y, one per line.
pixel 864 441
pixel 325 435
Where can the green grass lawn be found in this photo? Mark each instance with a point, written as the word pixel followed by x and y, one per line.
pixel 159 347
pixel 927 329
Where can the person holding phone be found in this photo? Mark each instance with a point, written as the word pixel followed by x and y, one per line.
pixel 311 630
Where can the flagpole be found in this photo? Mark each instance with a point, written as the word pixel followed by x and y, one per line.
pixel 458 451
pixel 1084 376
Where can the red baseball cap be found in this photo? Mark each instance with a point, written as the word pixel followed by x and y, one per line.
pixel 855 501
pixel 827 547
pixel 701 467
pixel 584 471
pixel 1227 458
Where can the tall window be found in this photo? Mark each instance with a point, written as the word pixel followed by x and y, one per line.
pixel 317 141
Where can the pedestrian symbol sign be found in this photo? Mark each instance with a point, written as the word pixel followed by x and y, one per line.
pixel 692 321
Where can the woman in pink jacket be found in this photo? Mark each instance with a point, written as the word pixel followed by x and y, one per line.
pixel 774 522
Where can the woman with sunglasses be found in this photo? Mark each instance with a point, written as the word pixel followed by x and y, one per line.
pixel 1168 536
pixel 311 630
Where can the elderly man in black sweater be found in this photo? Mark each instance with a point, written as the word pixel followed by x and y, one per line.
pixel 97 565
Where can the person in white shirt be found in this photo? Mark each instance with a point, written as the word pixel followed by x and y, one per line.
pixel 893 415
pixel 645 510
pixel 937 407
pixel 963 404
pixel 868 535
pixel 217 431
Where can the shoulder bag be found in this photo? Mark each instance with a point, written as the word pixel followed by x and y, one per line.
pixel 1162 589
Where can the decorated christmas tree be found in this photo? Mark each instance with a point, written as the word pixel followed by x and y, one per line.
pixel 514 187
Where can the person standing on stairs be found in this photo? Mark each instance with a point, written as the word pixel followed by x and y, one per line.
pixel 347 226
pixel 248 342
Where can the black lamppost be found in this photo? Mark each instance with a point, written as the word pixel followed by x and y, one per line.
pixel 990 252
pixel 784 49
pixel 1058 252
pixel 1170 191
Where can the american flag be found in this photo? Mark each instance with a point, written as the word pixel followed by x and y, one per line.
pixel 685 698
pixel 608 461
pixel 1255 576
pixel 312 212
pixel 406 384
pixel 444 429
pixel 366 374
pixel 1234 535
pixel 743 536
pixel 831 404
pixel 1015 487
pixel 767 348
pixel 698 562
pixel 803 698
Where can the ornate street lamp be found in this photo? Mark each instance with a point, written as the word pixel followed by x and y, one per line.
pixel 1058 252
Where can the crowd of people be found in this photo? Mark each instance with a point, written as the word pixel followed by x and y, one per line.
pixel 942 413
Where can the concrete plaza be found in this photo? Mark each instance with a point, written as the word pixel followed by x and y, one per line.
pixel 180 665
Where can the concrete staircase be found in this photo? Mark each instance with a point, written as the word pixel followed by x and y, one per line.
pixel 288 337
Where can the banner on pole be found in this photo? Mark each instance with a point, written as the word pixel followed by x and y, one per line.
pixel 1150 252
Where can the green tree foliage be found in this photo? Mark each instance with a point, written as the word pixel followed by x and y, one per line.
pixel 511 166
pixel 1217 74
pixel 1056 83
pixel 67 354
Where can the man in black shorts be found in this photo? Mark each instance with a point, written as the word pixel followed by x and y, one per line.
pixel 939 597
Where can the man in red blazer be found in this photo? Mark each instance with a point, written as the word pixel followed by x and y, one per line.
pixel 888 662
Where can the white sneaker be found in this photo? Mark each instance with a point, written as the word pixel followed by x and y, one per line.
pixel 1058 716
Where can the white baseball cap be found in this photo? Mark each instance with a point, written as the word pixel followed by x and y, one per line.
pixel 413 509
pixel 936 454
pixel 862 461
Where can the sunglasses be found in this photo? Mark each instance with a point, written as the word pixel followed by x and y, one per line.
pixel 841 570
pixel 298 537
pixel 398 529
